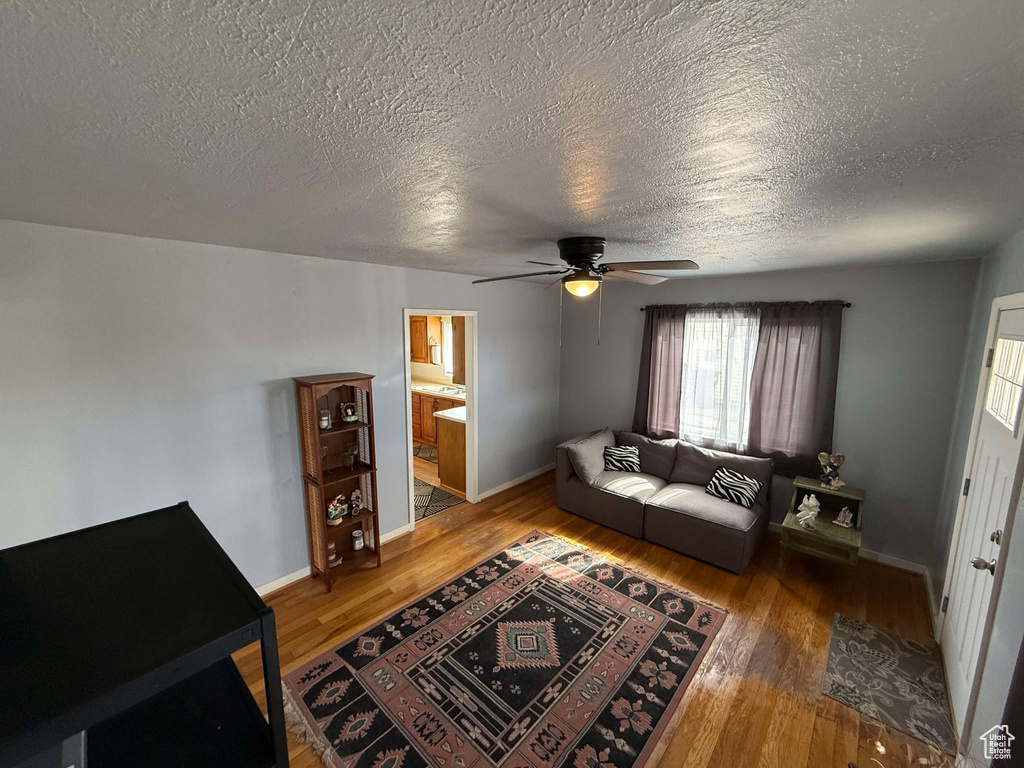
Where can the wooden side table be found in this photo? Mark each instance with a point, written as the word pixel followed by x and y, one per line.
pixel 825 540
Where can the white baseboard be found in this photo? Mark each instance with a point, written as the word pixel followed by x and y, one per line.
pixel 517 481
pixel 395 533
pixel 291 578
pixel 934 608
pixel 895 562
pixel 284 581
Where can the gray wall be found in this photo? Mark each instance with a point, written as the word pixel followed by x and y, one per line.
pixel 135 373
pixel 900 369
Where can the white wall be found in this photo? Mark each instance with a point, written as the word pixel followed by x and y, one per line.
pixel 901 355
pixel 136 372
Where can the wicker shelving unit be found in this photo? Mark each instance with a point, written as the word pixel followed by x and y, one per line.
pixel 326 474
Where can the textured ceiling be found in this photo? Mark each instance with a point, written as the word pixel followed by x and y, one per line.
pixel 466 135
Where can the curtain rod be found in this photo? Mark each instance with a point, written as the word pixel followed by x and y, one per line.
pixel 846 304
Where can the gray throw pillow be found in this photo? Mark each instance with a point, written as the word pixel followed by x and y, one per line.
pixel 587 455
pixel 657 457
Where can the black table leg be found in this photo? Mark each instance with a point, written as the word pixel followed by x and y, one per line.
pixel 272 685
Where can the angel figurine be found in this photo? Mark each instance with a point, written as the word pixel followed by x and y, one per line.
pixel 845 518
pixel 830 464
pixel 337 510
pixel 808 510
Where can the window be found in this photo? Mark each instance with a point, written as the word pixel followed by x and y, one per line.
pixel 446 346
pixel 719 345
pixel 1004 388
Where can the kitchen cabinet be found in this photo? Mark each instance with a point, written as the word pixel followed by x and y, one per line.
pixel 417 432
pixel 428 406
pixel 419 351
pixel 451 455
pixel 423 329
pixel 458 349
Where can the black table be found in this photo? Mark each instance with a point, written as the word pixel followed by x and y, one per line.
pixel 125 631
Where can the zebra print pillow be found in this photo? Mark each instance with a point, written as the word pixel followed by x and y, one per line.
pixel 621 458
pixel 732 486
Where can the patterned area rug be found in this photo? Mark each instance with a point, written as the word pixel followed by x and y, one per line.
pixel 430 500
pixel 546 654
pixel 896 681
pixel 425 452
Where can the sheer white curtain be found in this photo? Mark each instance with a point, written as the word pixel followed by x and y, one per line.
pixel 719 345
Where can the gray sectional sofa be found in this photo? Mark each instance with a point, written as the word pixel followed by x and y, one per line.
pixel 665 502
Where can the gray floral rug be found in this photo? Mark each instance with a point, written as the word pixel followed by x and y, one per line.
pixel 896 681
pixel 430 500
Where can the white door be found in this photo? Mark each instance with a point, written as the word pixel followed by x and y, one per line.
pixel 992 474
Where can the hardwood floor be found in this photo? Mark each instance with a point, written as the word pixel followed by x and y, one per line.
pixel 425 471
pixel 755 700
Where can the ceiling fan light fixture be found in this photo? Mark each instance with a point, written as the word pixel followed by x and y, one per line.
pixel 582 282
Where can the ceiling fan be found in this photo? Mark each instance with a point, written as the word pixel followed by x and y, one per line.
pixel 583 273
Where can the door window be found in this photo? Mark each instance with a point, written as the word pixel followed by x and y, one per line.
pixel 1004 387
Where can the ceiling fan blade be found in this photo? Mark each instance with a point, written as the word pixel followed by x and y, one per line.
pixel 517 277
pixel 543 263
pixel 635 277
pixel 657 266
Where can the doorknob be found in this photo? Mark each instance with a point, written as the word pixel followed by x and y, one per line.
pixel 984 565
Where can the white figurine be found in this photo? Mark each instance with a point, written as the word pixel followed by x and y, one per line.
pixel 808 511
pixel 845 518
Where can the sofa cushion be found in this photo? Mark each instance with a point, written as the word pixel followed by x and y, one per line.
pixel 691 499
pixel 657 457
pixel 634 485
pixel 587 455
pixel 696 465
pixel 733 486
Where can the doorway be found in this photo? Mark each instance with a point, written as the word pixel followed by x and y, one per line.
pixel 991 490
pixel 441 422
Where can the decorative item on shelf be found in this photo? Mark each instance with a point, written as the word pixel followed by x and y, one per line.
pixel 845 518
pixel 355 502
pixel 808 510
pixel 830 464
pixel 357 540
pixel 325 419
pixel 333 558
pixel 348 456
pixel 348 412
pixel 337 510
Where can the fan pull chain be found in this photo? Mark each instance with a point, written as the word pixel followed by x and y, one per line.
pixel 560 317
pixel 600 297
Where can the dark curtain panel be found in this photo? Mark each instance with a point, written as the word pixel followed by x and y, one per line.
pixel 656 413
pixel 793 389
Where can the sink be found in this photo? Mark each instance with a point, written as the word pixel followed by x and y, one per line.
pixel 441 389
